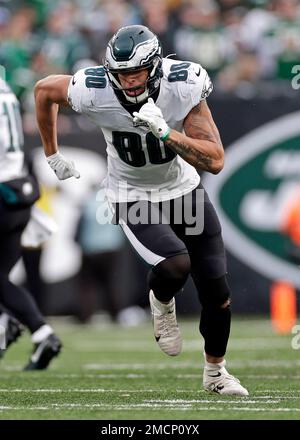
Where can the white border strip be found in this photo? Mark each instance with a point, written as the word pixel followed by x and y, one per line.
pixel 147 255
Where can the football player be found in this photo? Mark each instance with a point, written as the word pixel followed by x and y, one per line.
pixel 159 132
pixel 14 217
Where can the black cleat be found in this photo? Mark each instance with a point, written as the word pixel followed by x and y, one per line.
pixel 13 331
pixel 43 353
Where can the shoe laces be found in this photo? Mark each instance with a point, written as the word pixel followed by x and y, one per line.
pixel 167 321
pixel 231 377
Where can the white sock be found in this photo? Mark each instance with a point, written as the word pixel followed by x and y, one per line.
pixel 42 333
pixel 161 306
pixel 214 366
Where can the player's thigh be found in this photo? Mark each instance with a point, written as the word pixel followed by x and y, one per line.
pixel 12 224
pixel 10 251
pixel 206 250
pixel 151 238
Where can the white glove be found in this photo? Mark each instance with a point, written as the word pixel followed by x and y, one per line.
pixel 62 167
pixel 152 115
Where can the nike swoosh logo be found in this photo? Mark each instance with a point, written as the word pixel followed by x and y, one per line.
pixel 215 375
pixel 198 73
pixel 219 387
pixel 73 81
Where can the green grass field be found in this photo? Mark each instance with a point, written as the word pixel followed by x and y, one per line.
pixel 111 372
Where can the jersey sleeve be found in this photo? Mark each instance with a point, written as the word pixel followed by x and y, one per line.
pixel 200 83
pixel 78 94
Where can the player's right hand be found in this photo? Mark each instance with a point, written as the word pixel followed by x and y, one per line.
pixel 64 169
pixel 153 117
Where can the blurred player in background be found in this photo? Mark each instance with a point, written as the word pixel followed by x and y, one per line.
pixel 100 246
pixel 18 192
pixel 143 102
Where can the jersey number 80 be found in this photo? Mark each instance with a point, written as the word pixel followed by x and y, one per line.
pixel 127 144
pixel 130 149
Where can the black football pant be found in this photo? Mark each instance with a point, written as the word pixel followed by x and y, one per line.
pixel 174 253
pixel 16 300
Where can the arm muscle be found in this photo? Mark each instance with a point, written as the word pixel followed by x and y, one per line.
pixel 201 145
pixel 49 93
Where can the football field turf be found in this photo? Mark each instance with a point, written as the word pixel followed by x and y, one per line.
pixel 111 372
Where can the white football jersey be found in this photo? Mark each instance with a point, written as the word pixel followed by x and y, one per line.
pixel 140 166
pixel 11 135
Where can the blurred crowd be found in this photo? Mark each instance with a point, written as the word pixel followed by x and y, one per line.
pixel 242 44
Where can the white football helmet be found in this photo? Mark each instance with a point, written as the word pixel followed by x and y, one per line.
pixel 134 48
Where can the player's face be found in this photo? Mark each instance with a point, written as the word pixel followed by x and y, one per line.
pixel 134 82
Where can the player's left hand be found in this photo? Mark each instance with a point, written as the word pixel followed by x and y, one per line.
pixel 152 115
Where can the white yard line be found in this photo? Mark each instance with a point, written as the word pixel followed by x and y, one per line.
pixel 52 375
pixel 271 398
pixel 142 406
pixel 191 401
pixel 175 364
pixel 136 376
pixel 257 344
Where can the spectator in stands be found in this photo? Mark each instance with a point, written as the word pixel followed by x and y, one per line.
pixel 277 38
pixel 41 37
pixel 102 18
pixel 156 15
pixel 241 76
pixel 62 44
pixel 200 36
pixel 16 48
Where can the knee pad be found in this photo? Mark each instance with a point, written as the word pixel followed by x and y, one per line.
pixel 214 293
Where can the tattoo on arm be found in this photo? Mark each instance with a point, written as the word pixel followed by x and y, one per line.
pixel 190 155
pixel 199 125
